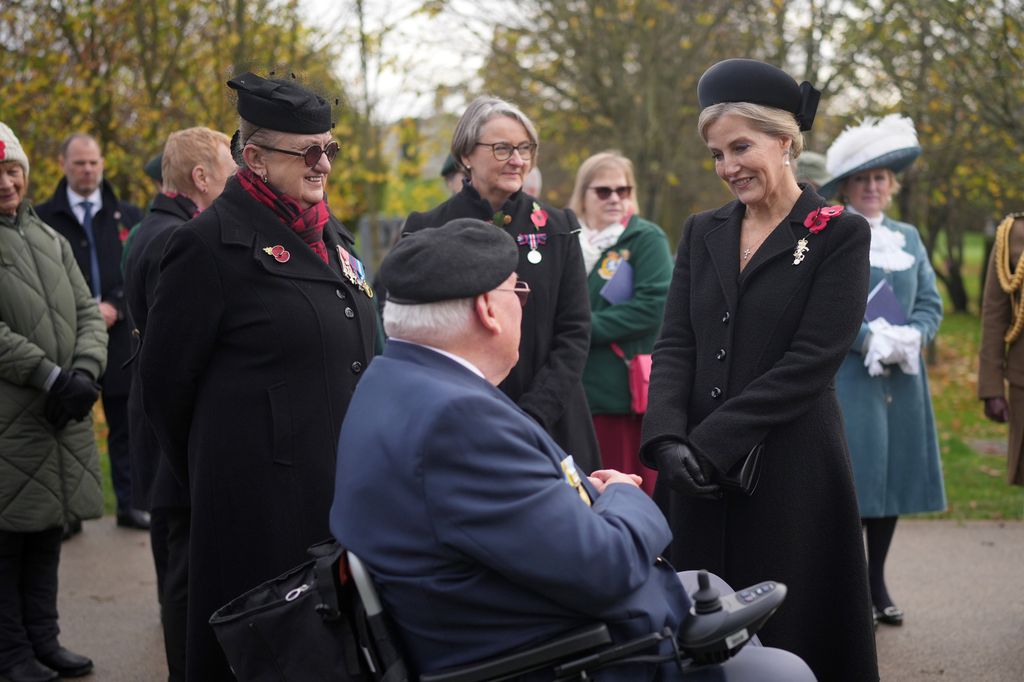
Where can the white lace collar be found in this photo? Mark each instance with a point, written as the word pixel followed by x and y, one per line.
pixel 887 251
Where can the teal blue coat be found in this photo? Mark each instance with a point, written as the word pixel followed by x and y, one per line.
pixel 890 425
pixel 633 324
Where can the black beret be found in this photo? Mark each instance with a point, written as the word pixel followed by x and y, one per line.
pixel 748 80
pixel 461 259
pixel 153 167
pixel 281 105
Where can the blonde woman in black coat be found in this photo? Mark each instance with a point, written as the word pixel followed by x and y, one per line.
pixel 261 326
pixel 767 295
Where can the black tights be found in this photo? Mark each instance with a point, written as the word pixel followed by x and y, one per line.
pixel 879 534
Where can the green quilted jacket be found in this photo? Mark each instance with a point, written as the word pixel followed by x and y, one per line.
pixel 47 318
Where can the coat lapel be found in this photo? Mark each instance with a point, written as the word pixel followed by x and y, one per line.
pixel 783 240
pixel 723 244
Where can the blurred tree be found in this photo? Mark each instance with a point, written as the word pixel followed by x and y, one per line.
pixel 955 67
pixel 132 72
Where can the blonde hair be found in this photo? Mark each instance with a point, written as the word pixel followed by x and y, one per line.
pixel 186 149
pixel 767 120
pixel 610 159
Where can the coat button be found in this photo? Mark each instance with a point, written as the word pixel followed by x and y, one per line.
pixel 339 293
pixel 349 313
pixel 357 367
pixel 720 355
pixel 84 243
pixel 716 393
pixel 725 317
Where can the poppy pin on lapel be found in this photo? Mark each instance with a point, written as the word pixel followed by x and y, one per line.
pixel 280 254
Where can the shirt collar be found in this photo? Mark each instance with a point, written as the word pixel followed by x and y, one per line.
pixel 451 356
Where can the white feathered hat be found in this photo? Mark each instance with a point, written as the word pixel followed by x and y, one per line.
pixel 889 142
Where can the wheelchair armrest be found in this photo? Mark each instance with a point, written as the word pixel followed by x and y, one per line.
pixel 509 665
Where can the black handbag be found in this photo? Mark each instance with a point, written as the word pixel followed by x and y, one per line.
pixel 295 627
pixel 744 474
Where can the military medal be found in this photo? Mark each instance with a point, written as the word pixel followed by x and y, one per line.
pixel 799 251
pixel 572 477
pixel 533 240
pixel 280 254
pixel 354 271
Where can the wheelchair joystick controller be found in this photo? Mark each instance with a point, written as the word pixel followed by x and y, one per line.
pixel 719 626
pixel 705 599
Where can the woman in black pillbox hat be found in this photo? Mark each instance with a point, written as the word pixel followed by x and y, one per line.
pixel 262 324
pixel 743 426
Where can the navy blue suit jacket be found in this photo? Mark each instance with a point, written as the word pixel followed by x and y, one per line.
pixel 457 502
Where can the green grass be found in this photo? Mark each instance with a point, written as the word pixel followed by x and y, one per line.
pixel 975 478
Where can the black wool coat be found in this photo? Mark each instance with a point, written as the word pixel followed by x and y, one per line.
pixel 110 227
pixel 153 484
pixel 748 358
pixel 248 365
pixel 547 382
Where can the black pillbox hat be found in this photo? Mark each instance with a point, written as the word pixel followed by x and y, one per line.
pixel 461 259
pixel 281 105
pixel 748 80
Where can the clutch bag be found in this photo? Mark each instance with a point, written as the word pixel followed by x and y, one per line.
pixel 744 475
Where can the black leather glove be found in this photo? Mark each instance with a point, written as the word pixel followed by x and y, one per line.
pixel 684 470
pixel 55 412
pixel 76 391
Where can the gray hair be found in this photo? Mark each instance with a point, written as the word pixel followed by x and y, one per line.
pixel 433 324
pixel 480 111
pixel 257 135
pixel 768 120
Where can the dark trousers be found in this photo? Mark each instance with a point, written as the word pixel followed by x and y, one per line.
pixel 28 594
pixel 174 597
pixel 115 408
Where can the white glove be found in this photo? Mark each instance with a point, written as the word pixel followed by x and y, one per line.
pixel 892 345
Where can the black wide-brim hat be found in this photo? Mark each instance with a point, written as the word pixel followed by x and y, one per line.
pixel 463 258
pixel 749 80
pixel 887 142
pixel 281 104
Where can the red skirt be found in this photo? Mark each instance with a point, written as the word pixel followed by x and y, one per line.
pixel 618 435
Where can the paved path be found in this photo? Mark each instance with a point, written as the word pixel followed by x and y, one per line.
pixel 960 584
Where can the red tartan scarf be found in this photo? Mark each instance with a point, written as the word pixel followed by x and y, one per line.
pixel 308 224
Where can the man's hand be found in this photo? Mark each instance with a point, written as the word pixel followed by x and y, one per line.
pixel 686 471
pixel 603 478
pixel 109 313
pixel 997 409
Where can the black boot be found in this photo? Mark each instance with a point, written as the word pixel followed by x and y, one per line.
pixel 67 663
pixel 29 670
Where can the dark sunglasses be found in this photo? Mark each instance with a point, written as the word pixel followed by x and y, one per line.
pixel 310 155
pixel 605 192
pixel 521 290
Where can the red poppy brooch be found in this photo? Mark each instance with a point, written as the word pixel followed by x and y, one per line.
pixel 815 222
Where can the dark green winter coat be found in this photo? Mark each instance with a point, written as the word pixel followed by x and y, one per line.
pixel 47 318
pixel 633 324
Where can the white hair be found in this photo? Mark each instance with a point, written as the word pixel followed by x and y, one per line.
pixel 434 324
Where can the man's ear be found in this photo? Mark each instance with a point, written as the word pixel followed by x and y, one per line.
pixel 485 313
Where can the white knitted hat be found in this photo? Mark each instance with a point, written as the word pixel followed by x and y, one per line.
pixel 889 142
pixel 10 148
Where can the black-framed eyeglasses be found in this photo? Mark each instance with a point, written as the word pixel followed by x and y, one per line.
pixel 521 290
pixel 605 192
pixel 311 154
pixel 503 150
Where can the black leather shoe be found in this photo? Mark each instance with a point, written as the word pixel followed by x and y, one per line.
pixel 67 663
pixel 29 670
pixel 890 615
pixel 133 518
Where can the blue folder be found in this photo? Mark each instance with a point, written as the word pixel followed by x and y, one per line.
pixel 882 302
pixel 619 288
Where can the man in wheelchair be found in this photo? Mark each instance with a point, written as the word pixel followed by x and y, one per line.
pixel 479 532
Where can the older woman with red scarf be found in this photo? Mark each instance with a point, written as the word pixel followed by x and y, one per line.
pixel 263 322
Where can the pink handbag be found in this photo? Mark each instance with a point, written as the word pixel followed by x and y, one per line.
pixel 638 369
